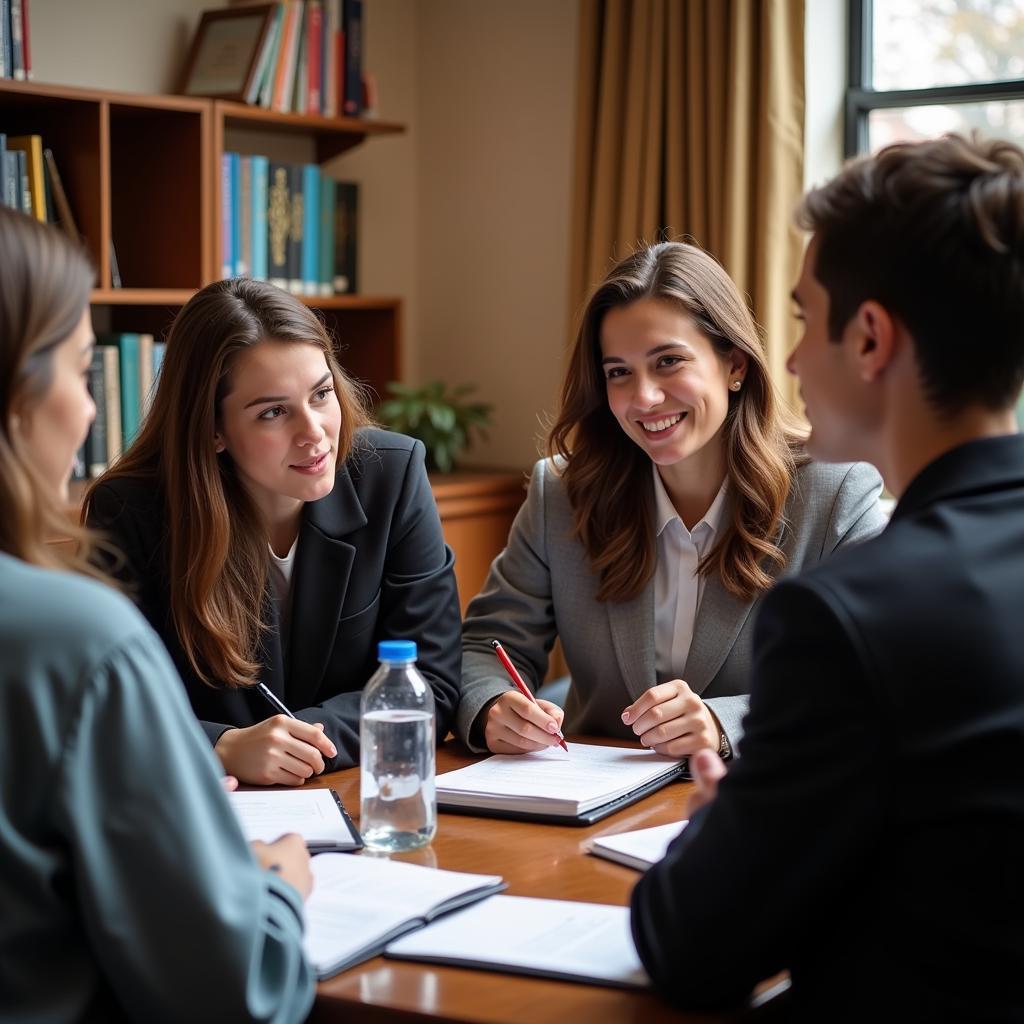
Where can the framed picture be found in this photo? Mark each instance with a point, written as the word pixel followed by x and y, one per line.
pixel 226 50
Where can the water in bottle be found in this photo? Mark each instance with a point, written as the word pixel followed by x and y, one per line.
pixel 398 802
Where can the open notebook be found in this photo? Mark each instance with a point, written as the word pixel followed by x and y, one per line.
pixel 578 788
pixel 640 848
pixel 315 814
pixel 360 904
pixel 586 942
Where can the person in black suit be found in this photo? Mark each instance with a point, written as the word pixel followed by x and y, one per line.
pixel 870 838
pixel 271 535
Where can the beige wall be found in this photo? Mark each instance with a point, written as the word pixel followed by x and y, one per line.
pixel 495 149
pixel 465 216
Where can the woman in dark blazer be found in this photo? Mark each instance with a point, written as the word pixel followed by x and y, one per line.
pixel 270 535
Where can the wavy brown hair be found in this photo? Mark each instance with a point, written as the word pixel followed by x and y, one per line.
pixel 608 477
pixel 217 555
pixel 44 289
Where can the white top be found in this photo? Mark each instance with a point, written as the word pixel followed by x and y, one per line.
pixel 678 588
pixel 281 583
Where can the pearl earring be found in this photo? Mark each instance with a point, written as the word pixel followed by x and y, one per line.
pixel 736 385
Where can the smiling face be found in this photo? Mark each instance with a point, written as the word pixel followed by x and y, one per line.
pixel 54 428
pixel 280 422
pixel 666 385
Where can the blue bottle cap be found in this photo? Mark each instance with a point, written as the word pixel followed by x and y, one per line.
pixel 396 650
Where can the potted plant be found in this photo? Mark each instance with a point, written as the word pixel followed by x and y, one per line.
pixel 445 421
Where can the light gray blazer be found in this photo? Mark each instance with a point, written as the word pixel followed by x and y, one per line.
pixel 541 586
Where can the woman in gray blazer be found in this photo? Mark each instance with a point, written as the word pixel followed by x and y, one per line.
pixel 128 890
pixel 674 495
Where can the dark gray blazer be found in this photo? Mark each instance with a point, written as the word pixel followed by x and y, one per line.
pixel 541 586
pixel 371 565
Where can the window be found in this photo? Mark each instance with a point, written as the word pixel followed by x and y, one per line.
pixel 920 68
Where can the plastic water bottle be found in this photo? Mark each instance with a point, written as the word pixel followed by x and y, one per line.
pixel 398 801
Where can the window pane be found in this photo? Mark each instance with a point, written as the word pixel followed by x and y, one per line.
pixel 1003 119
pixel 923 43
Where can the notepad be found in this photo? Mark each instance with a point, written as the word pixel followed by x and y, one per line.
pixel 587 942
pixel 360 904
pixel 640 848
pixel 315 814
pixel 580 788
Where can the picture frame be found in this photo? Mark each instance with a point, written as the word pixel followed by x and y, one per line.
pixel 225 51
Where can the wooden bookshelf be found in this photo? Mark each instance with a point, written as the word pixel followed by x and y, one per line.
pixel 142 175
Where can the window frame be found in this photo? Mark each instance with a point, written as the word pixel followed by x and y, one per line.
pixel 862 98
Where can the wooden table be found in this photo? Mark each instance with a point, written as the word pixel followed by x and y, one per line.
pixel 535 860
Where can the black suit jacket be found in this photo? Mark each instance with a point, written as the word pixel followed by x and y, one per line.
pixel 871 838
pixel 371 564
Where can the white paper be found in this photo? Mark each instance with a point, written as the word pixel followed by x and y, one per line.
pixel 558 938
pixel 312 813
pixel 358 900
pixel 550 779
pixel 640 848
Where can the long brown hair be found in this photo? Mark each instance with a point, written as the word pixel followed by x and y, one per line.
pixel 44 289
pixel 608 477
pixel 217 556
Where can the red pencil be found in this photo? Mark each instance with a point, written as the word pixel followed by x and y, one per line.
pixel 520 685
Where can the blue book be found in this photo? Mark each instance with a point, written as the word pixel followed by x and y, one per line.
pixel 326 266
pixel 227 253
pixel 310 229
pixel 236 214
pixel 260 172
pixel 6 68
pixel 130 379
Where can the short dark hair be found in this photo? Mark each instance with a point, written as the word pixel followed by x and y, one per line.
pixel 934 231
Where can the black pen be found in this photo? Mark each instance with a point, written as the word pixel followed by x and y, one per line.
pixel 273 699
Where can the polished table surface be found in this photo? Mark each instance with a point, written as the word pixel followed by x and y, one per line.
pixel 535 860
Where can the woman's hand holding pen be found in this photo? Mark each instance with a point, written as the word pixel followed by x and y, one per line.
pixel 515 725
pixel 279 751
pixel 672 720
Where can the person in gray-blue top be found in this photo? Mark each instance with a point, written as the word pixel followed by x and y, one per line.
pixel 127 888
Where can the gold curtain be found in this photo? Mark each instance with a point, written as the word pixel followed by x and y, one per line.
pixel 690 124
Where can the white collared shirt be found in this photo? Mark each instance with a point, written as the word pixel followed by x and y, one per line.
pixel 678 588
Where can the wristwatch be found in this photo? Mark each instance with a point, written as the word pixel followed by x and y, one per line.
pixel 724 748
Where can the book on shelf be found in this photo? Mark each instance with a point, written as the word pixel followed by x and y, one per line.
pixel 6 70
pixel 17 41
pixel 259 169
pixel 346 238
pixel 310 252
pixel 32 147
pixel 310 60
pixel 296 224
pixel 10 181
pixel 242 214
pixel 359 904
pixel 576 788
pixel 97 457
pixel 60 210
pixel 353 85
pixel 325 268
pixel 279 219
pixel 289 225
pixel 129 381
